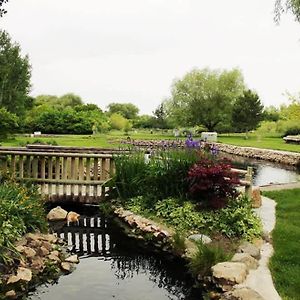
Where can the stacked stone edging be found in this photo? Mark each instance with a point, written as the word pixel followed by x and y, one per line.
pixel 283 157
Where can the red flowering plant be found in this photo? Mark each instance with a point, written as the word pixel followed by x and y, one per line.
pixel 212 183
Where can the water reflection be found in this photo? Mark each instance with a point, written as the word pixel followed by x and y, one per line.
pixel 265 172
pixel 113 267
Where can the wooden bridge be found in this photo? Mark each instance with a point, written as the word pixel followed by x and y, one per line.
pixel 71 173
pixel 61 172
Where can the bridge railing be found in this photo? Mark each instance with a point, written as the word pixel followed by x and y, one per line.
pixel 77 176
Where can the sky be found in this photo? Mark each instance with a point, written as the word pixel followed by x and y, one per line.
pixel 133 50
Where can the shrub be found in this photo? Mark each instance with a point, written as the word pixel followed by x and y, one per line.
pixel 21 211
pixel 238 219
pixel 211 182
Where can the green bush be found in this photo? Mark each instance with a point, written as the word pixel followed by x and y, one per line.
pixel 238 219
pixel 21 211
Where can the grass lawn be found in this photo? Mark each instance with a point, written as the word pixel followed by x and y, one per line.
pixel 285 263
pixel 110 140
pixel 276 143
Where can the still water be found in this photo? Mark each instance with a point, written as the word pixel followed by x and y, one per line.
pixel 112 266
pixel 266 172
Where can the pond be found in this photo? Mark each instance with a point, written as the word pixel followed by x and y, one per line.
pixel 113 266
pixel 266 172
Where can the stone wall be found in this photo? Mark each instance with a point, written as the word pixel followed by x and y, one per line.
pixel 283 157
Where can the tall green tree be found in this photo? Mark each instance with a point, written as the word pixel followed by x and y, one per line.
pixel 282 6
pixel 8 122
pixel 247 112
pixel 15 74
pixel 127 110
pixel 205 97
pixel 160 119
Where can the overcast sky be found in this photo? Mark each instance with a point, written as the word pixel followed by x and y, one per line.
pixel 131 50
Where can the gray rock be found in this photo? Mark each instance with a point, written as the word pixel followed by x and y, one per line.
pixel 57 214
pixel 249 248
pixel 247 259
pixel 200 238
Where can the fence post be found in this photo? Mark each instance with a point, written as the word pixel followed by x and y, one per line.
pixel 248 187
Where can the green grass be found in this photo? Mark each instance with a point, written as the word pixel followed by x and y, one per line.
pixel 109 140
pixel 285 263
pixel 276 143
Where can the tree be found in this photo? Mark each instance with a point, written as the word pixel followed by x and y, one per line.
pixel 127 110
pixel 15 73
pixel 282 6
pixel 160 117
pixel 118 122
pixel 271 113
pixel 247 112
pixel 2 10
pixel 8 122
pixel 205 97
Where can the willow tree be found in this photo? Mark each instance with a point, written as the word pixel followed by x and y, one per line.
pixel 282 6
pixel 205 97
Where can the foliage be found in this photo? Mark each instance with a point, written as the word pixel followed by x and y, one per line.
pixel 271 113
pixel 205 97
pixel 235 220
pixel 160 117
pixel 144 121
pixel 211 182
pixel 127 110
pixel 205 257
pixel 247 112
pixel 39 142
pixel 163 176
pixel 66 100
pixel 285 262
pixel 8 122
pixel 21 211
pixel 130 174
pixel 2 10
pixel 283 6
pixel 178 243
pixel 15 74
pixel 118 122
pixel 79 119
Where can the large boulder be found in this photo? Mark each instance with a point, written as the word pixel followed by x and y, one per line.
pixel 247 259
pixel 249 248
pixel 227 274
pixel 57 214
